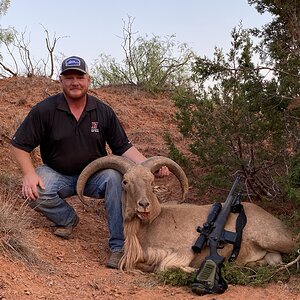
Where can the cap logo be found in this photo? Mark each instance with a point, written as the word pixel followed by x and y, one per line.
pixel 72 62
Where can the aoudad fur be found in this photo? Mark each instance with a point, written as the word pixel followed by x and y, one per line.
pixel 160 236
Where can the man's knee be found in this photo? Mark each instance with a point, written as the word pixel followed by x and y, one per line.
pixel 45 203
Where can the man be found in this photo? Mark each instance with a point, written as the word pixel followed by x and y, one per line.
pixel 72 129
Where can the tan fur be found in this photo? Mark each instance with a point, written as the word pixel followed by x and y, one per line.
pixel 160 236
pixel 133 252
pixel 166 241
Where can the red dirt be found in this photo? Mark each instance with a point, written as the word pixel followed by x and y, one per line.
pixel 75 269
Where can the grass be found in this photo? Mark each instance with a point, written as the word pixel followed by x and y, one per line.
pixel 14 224
pixel 8 182
pixel 175 277
pixel 256 276
pixel 240 275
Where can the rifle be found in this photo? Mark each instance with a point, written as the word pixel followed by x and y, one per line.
pixel 208 278
pixel 207 227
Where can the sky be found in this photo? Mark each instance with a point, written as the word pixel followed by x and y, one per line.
pixel 91 27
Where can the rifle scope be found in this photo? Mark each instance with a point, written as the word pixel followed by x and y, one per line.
pixel 207 227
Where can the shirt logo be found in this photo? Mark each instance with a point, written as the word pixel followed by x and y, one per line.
pixel 94 127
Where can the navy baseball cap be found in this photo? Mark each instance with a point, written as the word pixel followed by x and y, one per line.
pixel 74 63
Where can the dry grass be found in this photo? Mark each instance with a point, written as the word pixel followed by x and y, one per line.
pixel 14 224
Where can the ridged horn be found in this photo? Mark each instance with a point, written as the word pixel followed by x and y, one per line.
pixel 115 162
pixel 156 162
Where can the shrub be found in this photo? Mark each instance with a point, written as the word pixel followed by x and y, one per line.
pixel 154 64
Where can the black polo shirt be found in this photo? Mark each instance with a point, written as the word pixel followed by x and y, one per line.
pixel 68 145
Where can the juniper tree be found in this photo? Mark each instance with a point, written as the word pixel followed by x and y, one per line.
pixel 237 121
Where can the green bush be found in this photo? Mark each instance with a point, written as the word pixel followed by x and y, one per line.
pixel 237 121
pixel 294 173
pixel 175 277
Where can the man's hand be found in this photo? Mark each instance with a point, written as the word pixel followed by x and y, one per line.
pixel 31 180
pixel 162 172
pixel 30 184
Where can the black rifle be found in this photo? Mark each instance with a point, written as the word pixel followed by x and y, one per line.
pixel 207 227
pixel 208 278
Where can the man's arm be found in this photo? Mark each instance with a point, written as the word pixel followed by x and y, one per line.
pixel 30 179
pixel 136 156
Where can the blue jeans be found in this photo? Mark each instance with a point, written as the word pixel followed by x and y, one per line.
pixel 106 183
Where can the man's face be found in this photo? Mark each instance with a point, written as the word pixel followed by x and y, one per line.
pixel 75 84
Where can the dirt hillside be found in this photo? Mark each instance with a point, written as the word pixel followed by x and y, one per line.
pixel 75 269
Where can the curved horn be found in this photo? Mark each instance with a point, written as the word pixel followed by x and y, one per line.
pixel 115 162
pixel 156 162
